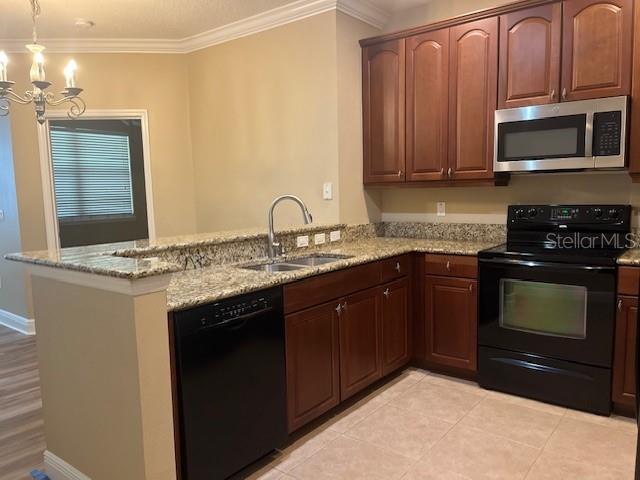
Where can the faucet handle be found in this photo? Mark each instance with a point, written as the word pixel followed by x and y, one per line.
pixel 278 249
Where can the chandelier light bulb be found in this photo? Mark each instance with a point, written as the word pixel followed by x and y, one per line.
pixel 4 60
pixel 37 69
pixel 70 73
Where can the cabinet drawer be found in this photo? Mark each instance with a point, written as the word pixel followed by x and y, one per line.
pixel 451 265
pixel 629 281
pixel 395 267
pixel 316 290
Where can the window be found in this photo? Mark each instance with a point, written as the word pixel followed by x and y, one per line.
pixel 99 181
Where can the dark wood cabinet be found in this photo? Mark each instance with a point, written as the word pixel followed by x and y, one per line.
pixel 530 44
pixel 313 363
pixel 596 48
pixel 383 90
pixel 396 351
pixel 451 322
pixel 427 105
pixel 473 73
pixel 360 342
pixel 624 363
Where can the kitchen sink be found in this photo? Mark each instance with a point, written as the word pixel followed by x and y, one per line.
pixel 315 260
pixel 274 267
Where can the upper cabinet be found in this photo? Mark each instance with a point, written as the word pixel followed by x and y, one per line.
pixel 427 105
pixel 383 72
pixel 530 47
pixel 597 45
pixel 473 78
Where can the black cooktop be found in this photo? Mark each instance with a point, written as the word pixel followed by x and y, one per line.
pixel 578 234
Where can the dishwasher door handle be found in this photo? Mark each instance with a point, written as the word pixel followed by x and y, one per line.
pixel 238 322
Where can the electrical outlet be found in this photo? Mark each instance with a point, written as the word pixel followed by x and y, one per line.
pixel 302 241
pixel 334 236
pixel 441 209
pixel 1 215
pixel 327 191
pixel 319 238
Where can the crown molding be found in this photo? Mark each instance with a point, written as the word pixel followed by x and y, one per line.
pixel 362 10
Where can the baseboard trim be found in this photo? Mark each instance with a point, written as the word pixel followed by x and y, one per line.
pixel 58 469
pixel 15 322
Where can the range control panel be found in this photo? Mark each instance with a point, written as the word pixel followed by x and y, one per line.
pixel 607 133
pixel 528 216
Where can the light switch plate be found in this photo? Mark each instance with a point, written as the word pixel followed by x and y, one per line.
pixel 319 238
pixel 302 241
pixel 334 236
pixel 327 191
pixel 441 209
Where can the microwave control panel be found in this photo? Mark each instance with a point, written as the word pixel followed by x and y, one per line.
pixel 607 132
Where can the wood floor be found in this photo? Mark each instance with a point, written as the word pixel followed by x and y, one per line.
pixel 21 426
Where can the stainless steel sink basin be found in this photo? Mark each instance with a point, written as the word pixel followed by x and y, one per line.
pixel 315 260
pixel 274 267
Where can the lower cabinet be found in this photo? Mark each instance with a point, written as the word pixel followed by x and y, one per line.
pixel 624 362
pixel 396 351
pixel 360 342
pixel 313 363
pixel 336 349
pixel 451 322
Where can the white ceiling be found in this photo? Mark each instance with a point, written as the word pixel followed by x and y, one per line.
pixel 142 19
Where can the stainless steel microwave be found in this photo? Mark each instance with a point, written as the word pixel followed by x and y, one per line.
pixel 587 134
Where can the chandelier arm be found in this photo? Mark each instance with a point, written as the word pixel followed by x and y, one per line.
pixel 76 109
pixel 11 96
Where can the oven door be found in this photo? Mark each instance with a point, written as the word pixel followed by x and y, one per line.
pixel 556 310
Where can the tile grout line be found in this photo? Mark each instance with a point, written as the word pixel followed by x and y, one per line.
pixel 544 446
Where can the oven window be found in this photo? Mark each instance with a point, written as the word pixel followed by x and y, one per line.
pixel 543 308
pixel 555 137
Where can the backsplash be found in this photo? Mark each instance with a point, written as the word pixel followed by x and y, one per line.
pixel 445 231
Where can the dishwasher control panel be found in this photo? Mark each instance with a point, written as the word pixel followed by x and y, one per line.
pixel 232 310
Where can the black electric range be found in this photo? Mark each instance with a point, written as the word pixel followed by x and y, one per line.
pixel 547 304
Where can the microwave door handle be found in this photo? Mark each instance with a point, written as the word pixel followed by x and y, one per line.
pixel 588 137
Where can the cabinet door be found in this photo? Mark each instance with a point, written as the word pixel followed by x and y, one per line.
pixel 312 344
pixel 395 325
pixel 451 321
pixel 624 362
pixel 360 346
pixel 596 52
pixel 530 56
pixel 473 68
pixel 427 105
pixel 383 73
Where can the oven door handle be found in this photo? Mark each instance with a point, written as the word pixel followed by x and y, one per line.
pixel 532 263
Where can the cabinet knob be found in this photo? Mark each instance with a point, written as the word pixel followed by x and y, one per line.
pixel 399 173
pixel 471 287
pixel 553 94
pixel 449 172
pixel 344 306
pixel 339 309
pixel 620 305
pixel 398 267
pixel 564 93
pixel 448 266
pixel 386 293
pixel 442 171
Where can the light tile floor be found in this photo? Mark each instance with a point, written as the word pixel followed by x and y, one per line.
pixel 424 426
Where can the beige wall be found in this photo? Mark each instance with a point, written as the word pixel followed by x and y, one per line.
pixel 157 83
pixel 13 297
pixel 487 204
pixel 263 118
pixel 105 380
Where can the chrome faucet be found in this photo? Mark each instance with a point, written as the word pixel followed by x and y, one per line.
pixel 275 248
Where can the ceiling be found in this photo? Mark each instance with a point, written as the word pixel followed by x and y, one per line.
pixel 143 19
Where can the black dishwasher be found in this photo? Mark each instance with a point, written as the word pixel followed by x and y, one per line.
pixel 230 368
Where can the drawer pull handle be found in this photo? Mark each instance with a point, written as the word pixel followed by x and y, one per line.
pixel 448 266
pixel 399 173
pixel 620 305
pixel 386 293
pixel 471 287
pixel 564 94
pixel 339 309
pixel 449 172
pixel 398 267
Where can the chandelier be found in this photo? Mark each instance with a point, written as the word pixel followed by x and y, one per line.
pixel 39 95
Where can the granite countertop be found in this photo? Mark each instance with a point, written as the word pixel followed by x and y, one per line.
pixel 205 285
pixel 630 258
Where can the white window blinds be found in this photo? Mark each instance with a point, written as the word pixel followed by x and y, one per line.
pixel 92 173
